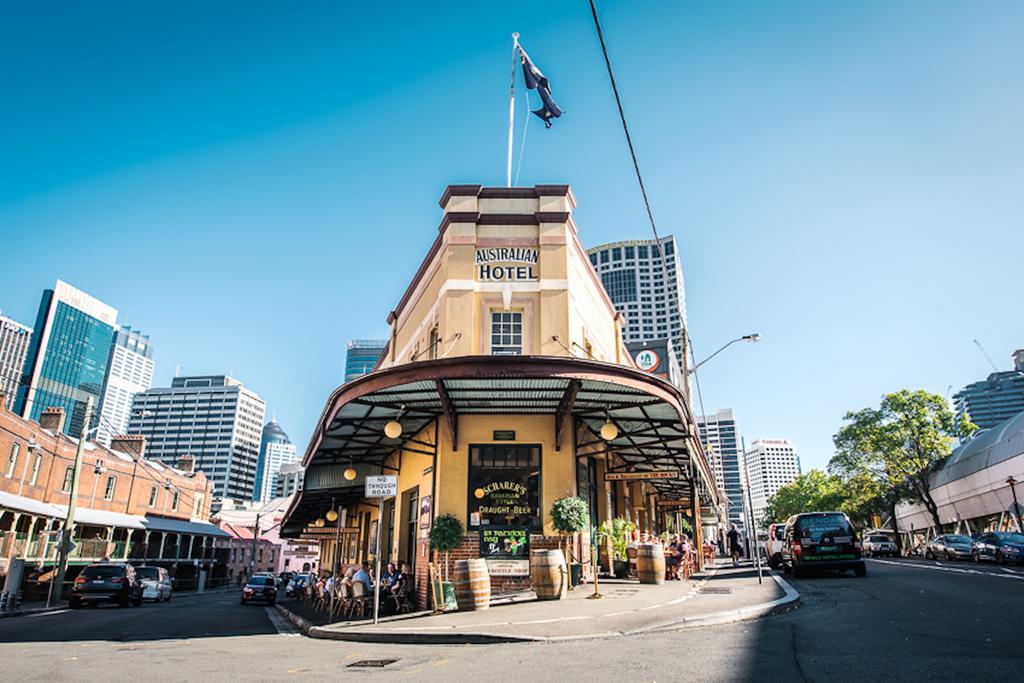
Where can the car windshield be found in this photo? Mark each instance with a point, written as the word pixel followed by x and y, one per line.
pixel 103 572
pixel 878 539
pixel 261 581
pixel 1009 538
pixel 957 539
pixel 148 572
pixel 816 527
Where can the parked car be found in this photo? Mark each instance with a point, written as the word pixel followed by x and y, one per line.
pixel 156 583
pixel 260 588
pixel 950 547
pixel 106 582
pixel 820 541
pixel 879 545
pixel 999 546
pixel 773 546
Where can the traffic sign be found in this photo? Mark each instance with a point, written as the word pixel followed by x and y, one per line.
pixel 383 486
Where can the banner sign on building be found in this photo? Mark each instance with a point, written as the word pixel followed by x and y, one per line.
pixel 681 502
pixel 507 264
pixel 631 476
pixel 508 567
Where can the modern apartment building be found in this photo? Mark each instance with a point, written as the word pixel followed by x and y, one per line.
pixel 720 435
pixel 276 449
pixel 995 399
pixel 68 356
pixel 644 279
pixel 362 357
pixel 772 463
pixel 213 418
pixel 129 372
pixel 14 342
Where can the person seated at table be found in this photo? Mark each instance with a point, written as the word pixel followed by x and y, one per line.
pixel 390 575
pixel 362 575
pixel 673 557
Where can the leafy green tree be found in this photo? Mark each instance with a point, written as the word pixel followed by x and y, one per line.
pixel 815 490
pixel 899 445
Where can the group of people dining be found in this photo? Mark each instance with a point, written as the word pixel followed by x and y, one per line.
pixel 680 553
pixel 350 593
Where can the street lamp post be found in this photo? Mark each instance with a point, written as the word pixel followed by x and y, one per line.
pixel 69 522
pixel 1016 506
pixel 751 338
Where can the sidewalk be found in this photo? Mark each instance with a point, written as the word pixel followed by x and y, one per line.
pixel 722 595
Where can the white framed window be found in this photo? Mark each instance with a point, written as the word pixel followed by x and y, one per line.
pixel 506 333
pixel 69 474
pixel 12 460
pixel 36 465
pixel 108 491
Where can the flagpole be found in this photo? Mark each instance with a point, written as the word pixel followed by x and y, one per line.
pixel 511 110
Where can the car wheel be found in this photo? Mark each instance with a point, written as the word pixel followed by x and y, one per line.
pixel 242 602
pixel 999 558
pixel 974 556
pixel 74 604
pixel 124 602
pixel 928 555
pixel 860 571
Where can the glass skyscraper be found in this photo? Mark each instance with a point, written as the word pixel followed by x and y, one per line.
pixel 362 357
pixel 276 450
pixel 68 358
pixel 720 435
pixel 995 399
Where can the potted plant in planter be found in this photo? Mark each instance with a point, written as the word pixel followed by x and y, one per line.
pixel 570 516
pixel 445 536
pixel 617 531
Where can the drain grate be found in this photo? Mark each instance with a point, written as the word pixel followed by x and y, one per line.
pixel 371 663
pixel 715 590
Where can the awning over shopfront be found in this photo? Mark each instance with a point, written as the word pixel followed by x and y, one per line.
pixel 16 503
pixel 656 430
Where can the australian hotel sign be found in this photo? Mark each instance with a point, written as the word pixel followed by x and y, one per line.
pixel 507 264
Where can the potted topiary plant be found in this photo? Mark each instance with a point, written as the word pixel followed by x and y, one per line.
pixel 570 516
pixel 445 536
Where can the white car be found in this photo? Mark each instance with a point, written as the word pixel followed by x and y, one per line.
pixel 156 583
pixel 879 544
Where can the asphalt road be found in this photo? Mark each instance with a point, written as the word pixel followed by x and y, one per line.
pixel 909 621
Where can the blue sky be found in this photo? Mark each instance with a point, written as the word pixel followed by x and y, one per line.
pixel 254 183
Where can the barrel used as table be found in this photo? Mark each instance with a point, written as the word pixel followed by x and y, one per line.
pixel 547 574
pixel 472 584
pixel 650 563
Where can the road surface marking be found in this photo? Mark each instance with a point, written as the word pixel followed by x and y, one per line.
pixel 955 570
pixel 283 627
pixel 44 614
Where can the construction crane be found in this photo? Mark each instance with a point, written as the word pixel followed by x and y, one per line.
pixel 983 352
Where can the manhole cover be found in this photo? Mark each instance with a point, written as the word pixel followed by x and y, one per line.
pixel 371 663
pixel 715 590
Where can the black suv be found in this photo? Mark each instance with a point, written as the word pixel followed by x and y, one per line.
pixel 260 588
pixel 106 582
pixel 821 540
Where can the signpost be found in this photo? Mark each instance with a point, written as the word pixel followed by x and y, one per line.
pixel 383 486
pixel 630 476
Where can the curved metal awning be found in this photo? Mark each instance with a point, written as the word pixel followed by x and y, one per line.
pixel 656 428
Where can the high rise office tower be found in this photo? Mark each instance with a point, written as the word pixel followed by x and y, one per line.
pixel 129 371
pixel 720 435
pixel 68 357
pixel 14 342
pixel 289 480
pixel 362 357
pixel 213 418
pixel 995 399
pixel 275 450
pixel 644 279
pixel 772 464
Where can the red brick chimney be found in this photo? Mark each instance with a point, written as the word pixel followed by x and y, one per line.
pixel 132 444
pixel 52 419
pixel 187 463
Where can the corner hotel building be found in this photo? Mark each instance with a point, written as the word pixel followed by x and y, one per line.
pixel 505 361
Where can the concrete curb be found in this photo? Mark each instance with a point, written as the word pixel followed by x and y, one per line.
pixel 483 638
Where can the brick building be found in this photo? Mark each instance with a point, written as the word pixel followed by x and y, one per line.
pixel 128 508
pixel 264 554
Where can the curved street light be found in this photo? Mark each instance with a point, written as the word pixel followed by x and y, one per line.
pixel 751 338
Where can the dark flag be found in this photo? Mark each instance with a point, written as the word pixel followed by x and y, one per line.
pixel 535 80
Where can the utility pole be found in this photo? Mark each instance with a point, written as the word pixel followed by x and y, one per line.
pixel 750 512
pixel 66 546
pixel 255 540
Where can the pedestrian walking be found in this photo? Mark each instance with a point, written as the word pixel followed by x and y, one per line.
pixel 735 549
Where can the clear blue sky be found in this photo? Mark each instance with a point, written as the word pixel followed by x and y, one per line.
pixel 254 183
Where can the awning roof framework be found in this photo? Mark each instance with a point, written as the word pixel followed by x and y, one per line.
pixel 656 429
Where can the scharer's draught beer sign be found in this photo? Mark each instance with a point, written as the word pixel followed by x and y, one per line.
pixel 507 264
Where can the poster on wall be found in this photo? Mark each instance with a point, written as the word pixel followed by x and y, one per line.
pixel 505 543
pixel 425 503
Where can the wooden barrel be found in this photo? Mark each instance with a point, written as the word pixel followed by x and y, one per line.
pixel 472 584
pixel 650 563
pixel 547 568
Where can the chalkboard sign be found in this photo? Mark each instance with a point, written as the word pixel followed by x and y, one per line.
pixel 504 435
